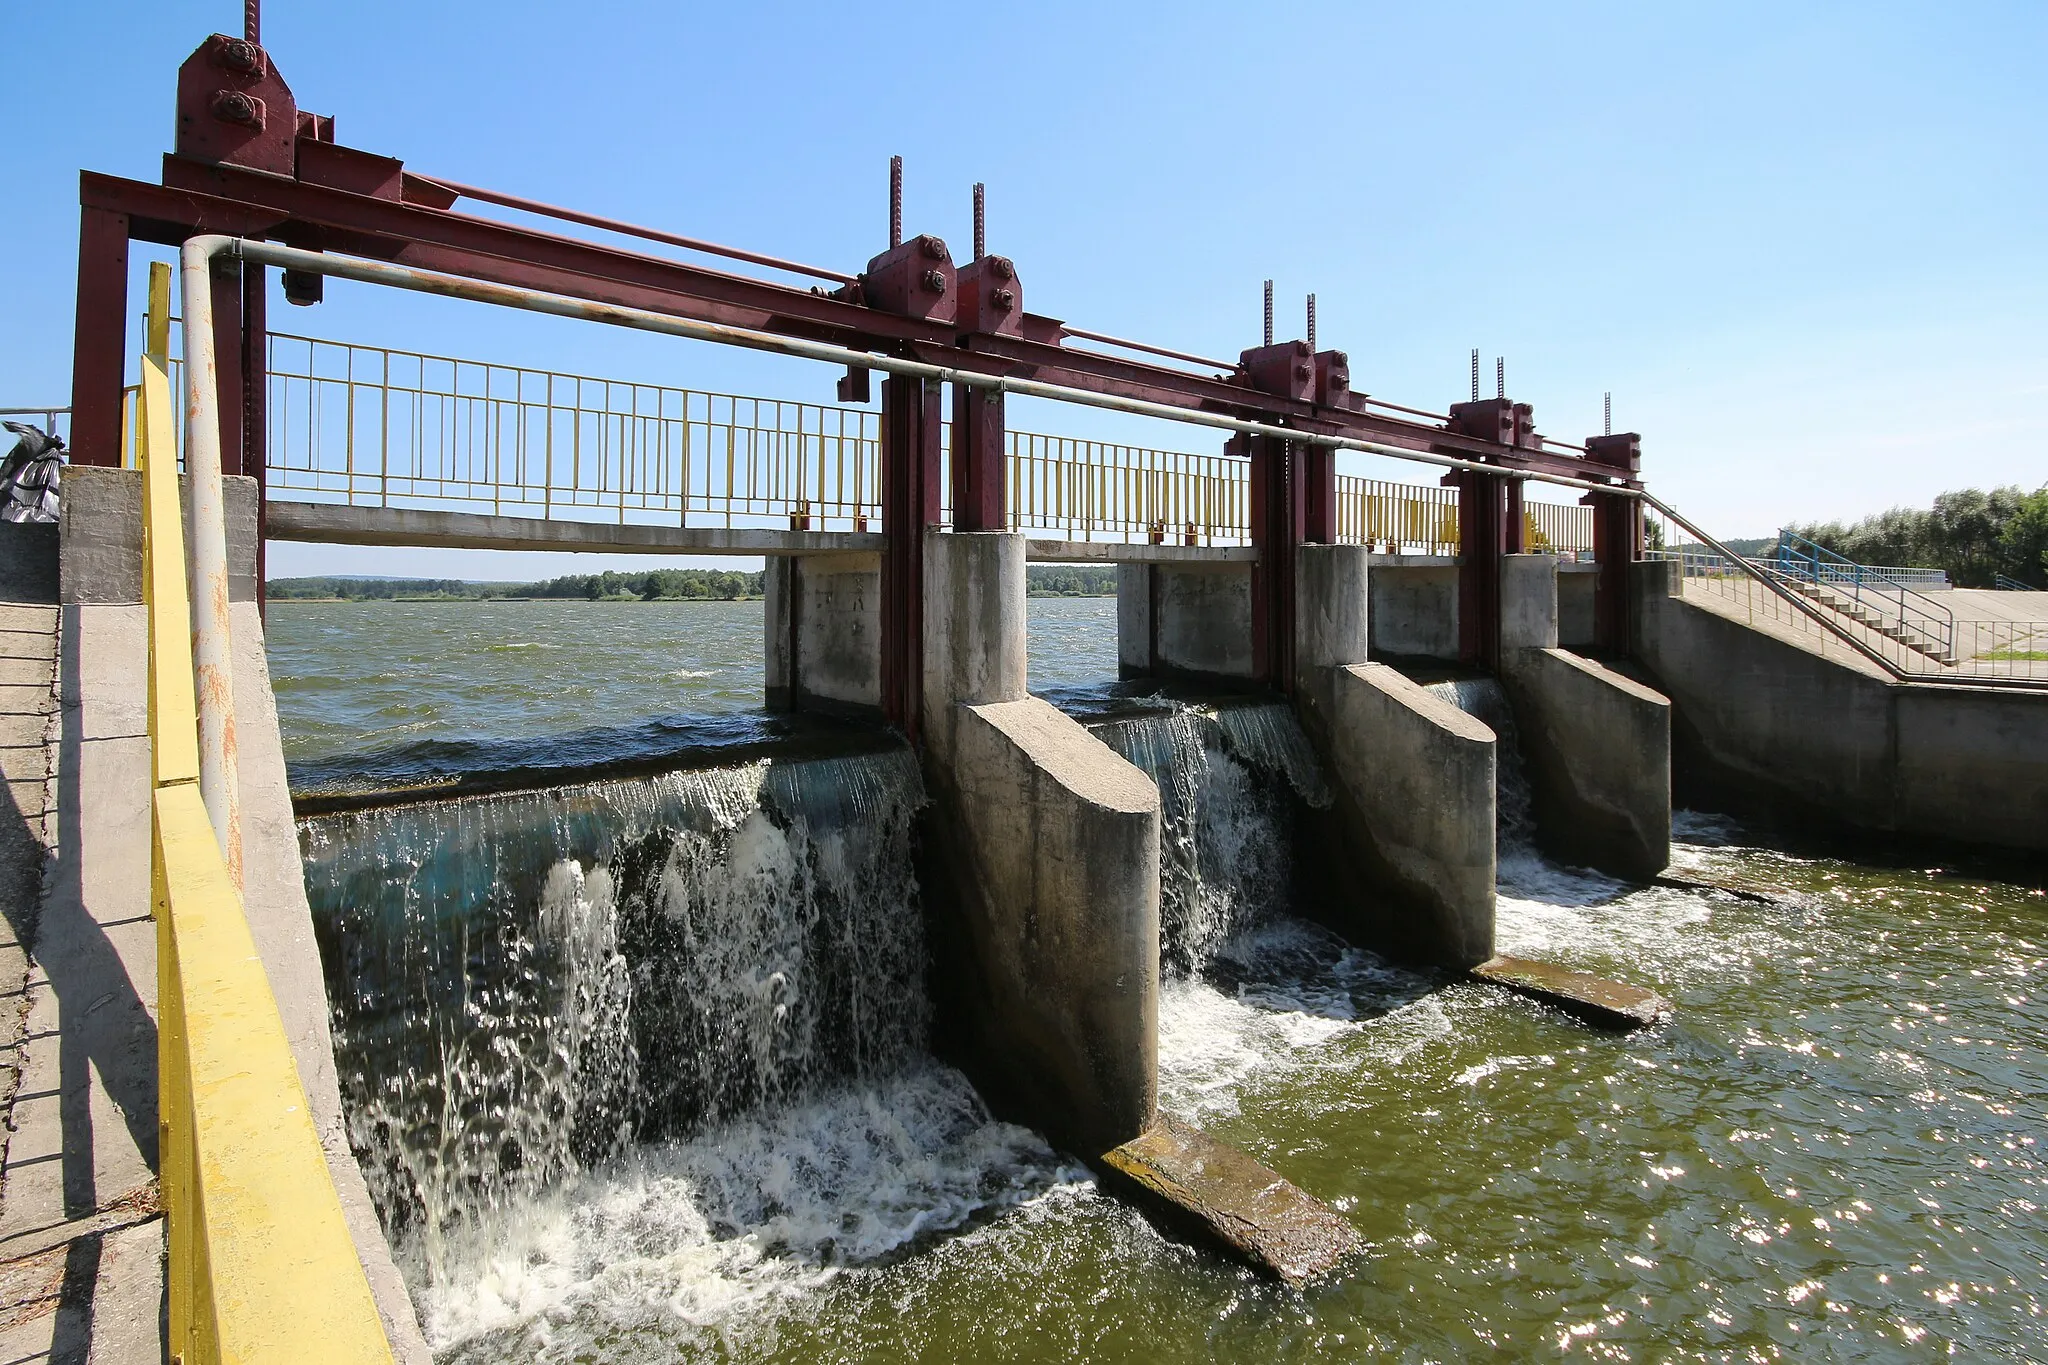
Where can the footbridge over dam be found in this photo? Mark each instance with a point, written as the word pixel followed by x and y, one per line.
pixel 1396 640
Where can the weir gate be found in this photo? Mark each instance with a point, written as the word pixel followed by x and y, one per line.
pixel 1629 645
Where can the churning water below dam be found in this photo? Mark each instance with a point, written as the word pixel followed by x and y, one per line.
pixel 640 1069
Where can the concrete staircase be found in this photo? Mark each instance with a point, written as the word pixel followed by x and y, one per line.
pixel 1892 629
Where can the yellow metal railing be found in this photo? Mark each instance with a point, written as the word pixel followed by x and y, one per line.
pixel 1088 490
pixel 373 426
pixel 368 425
pixel 261 1265
pixel 1397 517
pixel 1561 527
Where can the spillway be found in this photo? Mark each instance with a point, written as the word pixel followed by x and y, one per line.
pixel 658 1035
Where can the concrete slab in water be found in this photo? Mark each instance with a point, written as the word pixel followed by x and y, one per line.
pixel 1610 1004
pixel 1181 1173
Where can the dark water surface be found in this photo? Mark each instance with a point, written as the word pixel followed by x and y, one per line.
pixel 1833 1152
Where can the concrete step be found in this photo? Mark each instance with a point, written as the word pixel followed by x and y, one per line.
pixel 1193 1183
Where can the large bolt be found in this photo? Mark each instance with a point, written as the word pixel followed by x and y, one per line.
pixel 935 280
pixel 1304 370
pixel 1001 267
pixel 934 248
pixel 232 106
pixel 1003 299
pixel 237 54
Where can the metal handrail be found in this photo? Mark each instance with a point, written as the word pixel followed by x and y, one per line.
pixel 2006 583
pixel 1801 557
pixel 261 1264
pixel 1827 620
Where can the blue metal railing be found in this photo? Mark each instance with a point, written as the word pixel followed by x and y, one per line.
pixel 2008 584
pixel 1882 593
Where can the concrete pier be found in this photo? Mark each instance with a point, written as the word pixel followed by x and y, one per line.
pixel 1596 745
pixel 823 632
pixel 1185 621
pixel 1044 859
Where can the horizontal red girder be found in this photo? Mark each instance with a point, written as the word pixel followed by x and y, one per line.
pixel 198 197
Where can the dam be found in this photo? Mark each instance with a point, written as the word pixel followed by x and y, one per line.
pixel 935 974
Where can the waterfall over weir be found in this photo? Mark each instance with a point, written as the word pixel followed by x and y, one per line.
pixel 658 1030
pixel 1229 777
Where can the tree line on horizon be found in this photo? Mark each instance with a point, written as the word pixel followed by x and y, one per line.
pixel 1974 535
pixel 655 585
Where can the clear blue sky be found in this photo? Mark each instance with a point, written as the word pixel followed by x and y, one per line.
pixel 1805 246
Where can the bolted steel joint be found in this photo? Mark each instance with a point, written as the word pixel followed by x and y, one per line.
pixel 241 55
pixel 1002 300
pixel 232 106
pixel 1304 370
pixel 933 247
pixel 935 280
pixel 1002 267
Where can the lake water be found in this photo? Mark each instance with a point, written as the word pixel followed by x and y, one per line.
pixel 1832 1152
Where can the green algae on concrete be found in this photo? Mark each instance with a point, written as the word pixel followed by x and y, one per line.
pixel 1193 1182
pixel 1595 999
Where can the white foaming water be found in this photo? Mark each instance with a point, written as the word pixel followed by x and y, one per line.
pixel 706 1235
pixel 1285 994
pixel 647 1050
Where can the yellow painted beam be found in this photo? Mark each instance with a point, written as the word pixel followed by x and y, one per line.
pixel 173 716
pixel 276 1274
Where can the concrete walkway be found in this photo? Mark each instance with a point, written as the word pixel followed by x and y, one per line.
pixel 81 1242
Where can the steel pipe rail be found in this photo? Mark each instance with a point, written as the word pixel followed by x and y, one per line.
pixel 207 536
pixel 567 215
pixel 452 286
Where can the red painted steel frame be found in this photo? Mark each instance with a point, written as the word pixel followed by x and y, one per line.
pixel 294 184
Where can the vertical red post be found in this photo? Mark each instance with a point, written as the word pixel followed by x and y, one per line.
pixel 1482 539
pixel 1279 515
pixel 978 454
pixel 100 337
pixel 1617 537
pixel 1617 542
pixel 910 503
pixel 1517 525
pixel 226 281
pixel 1319 494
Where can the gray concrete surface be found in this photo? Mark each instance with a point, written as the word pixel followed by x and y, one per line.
pixel 1331 622
pixel 335 523
pixel 1528 602
pixel 1064 838
pixel 1188 621
pixel 1575 619
pixel 1041 875
pixel 1414 611
pixel 974 629
pixel 1197 1185
pixel 1597 747
pixel 1765 724
pixel 1418 777
pixel 102 526
pixel 81 1157
pixel 823 624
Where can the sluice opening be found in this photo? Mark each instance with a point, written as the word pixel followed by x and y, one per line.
pixel 1251 974
pixel 659 1036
